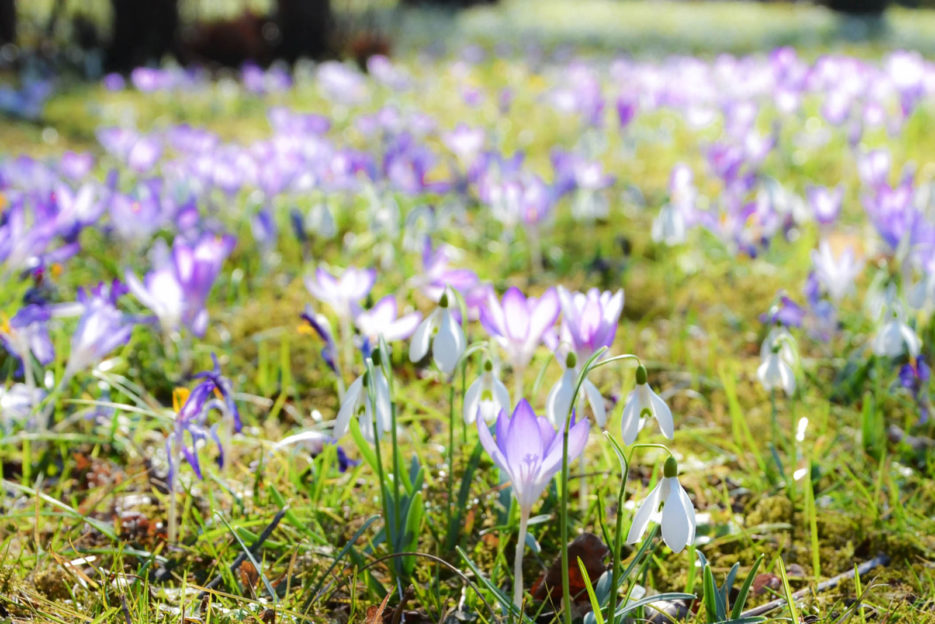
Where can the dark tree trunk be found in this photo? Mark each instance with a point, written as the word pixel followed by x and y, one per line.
pixel 304 28
pixel 7 21
pixel 859 7
pixel 144 31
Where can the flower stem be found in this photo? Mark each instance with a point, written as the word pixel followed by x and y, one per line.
pixel 451 447
pixel 615 574
pixel 173 517
pixel 518 559
pixel 563 524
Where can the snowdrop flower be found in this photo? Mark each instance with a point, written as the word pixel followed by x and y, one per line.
pixel 18 402
pixel 445 335
pixel 837 275
pixel 487 396
pixel 529 451
pixel 669 225
pixel 341 292
pixel 777 358
pixel 357 402
pixel 641 405
pixel 558 404
pixel 895 337
pixel 678 513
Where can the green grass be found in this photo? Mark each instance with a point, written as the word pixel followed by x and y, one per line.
pixel 92 492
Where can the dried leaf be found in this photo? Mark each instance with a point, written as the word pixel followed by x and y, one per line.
pixel 592 551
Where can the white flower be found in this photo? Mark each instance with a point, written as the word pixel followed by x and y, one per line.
pixel 487 396
pixel 896 338
pixel 669 225
pixel 778 357
pixel 678 513
pixel 18 402
pixel 642 404
pixel 837 275
pixel 357 402
pixel 445 334
pixel 558 403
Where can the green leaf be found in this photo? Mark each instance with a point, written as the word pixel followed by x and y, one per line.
pixel 595 605
pixel 362 445
pixel 710 592
pixel 745 589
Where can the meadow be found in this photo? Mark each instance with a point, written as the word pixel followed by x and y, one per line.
pixel 335 344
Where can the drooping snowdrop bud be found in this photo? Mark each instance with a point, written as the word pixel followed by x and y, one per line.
pixel 895 337
pixel 641 405
pixel 445 335
pixel 678 513
pixel 487 396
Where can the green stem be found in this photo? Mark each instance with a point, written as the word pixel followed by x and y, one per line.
pixel 451 447
pixel 615 574
pixel 518 559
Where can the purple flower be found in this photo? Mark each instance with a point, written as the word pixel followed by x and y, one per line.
pixel 177 288
pixel 627 107
pixel 589 320
pixel 341 292
pixel 518 324
pixel 529 450
pixel 226 390
pixel 28 333
pixel 322 327
pixel 785 312
pixel 825 202
pixel 383 320
pixel 915 377
pixel 76 165
pixel 101 328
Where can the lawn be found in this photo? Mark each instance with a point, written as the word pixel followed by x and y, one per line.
pixel 698 239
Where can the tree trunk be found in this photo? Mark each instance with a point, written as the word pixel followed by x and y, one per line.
pixel 7 21
pixel 144 31
pixel 304 28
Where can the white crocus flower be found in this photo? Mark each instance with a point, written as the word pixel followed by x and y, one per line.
pixel 357 402
pixel 558 403
pixel 641 405
pixel 895 337
pixel 445 335
pixel 678 513
pixel 486 396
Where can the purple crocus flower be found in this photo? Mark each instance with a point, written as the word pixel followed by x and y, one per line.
pixel 177 288
pixel 529 451
pixel 589 321
pixel 28 332
pixel 322 327
pixel 343 291
pixel 226 390
pixel 101 328
pixel 914 377
pixel 627 107
pixel 383 320
pixel 825 202
pixel 785 312
pixel 76 165
pixel 518 324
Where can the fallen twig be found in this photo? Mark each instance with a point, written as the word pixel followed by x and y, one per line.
pixel 867 566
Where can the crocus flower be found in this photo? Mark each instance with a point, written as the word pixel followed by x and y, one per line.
pixel 895 337
pixel 226 390
pixel 177 289
pixel 101 328
pixel 445 335
pixel 518 324
pixel 486 396
pixel 836 274
pixel 825 202
pixel 641 405
pixel 341 293
pixel 678 513
pixel 589 320
pixel 18 402
pixel 28 333
pixel 322 327
pixel 382 320
pixel 529 450
pixel 914 377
